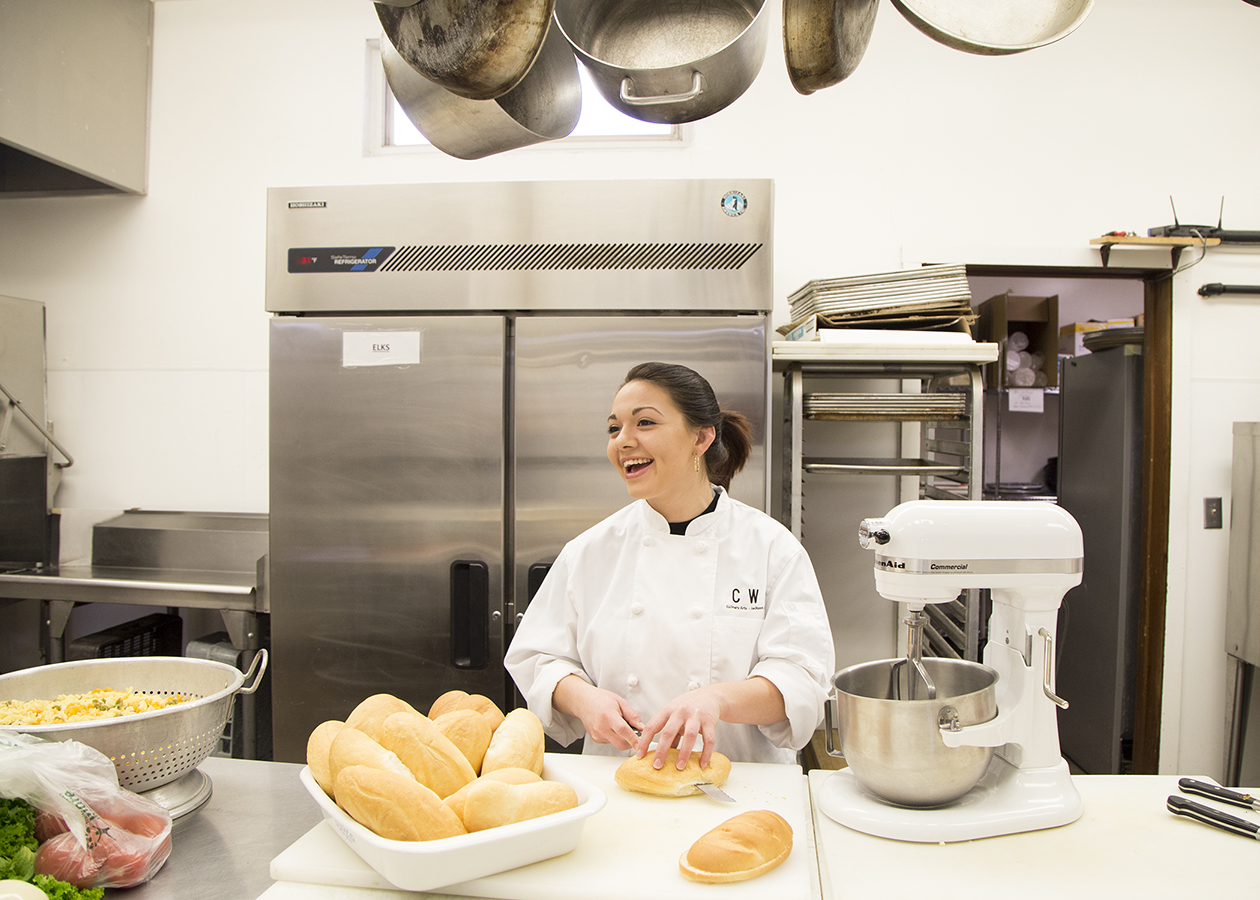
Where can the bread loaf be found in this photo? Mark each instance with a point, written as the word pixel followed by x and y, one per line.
pixel 490 803
pixel 394 806
pixel 517 743
pixel 741 848
pixel 317 746
pixel 478 703
pixel 372 712
pixel 428 754
pixel 668 781
pixel 508 776
pixel 351 747
pixel 469 731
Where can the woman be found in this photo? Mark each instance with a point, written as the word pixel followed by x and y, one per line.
pixel 687 617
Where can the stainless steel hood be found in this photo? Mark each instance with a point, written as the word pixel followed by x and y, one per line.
pixel 74 96
pixel 638 246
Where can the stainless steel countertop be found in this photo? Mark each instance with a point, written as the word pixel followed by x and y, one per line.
pixel 223 850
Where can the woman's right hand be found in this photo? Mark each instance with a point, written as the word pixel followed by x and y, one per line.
pixel 607 717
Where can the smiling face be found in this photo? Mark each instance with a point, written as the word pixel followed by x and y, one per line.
pixel 653 447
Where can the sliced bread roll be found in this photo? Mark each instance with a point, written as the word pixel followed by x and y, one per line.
pixel 669 781
pixel 428 754
pixel 369 715
pixel 490 803
pixel 317 746
pixel 394 806
pixel 351 747
pixel 469 731
pixel 741 848
pixel 508 776
pixel 517 743
pixel 479 703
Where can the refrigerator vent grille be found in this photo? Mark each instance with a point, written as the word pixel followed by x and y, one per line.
pixel 516 257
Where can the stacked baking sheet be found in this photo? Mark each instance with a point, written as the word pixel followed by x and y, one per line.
pixel 905 407
pixel 929 297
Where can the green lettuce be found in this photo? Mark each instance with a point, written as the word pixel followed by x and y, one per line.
pixel 17 854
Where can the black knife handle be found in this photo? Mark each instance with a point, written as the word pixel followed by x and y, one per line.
pixel 1211 791
pixel 1209 816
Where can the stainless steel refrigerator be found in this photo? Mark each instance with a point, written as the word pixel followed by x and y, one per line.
pixel 443 358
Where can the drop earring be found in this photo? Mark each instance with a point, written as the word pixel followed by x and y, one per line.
pixel 695 458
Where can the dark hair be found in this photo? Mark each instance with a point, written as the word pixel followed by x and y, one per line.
pixel 694 397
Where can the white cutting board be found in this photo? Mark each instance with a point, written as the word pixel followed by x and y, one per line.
pixel 1125 844
pixel 628 851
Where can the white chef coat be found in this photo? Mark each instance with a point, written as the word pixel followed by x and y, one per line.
pixel 650 615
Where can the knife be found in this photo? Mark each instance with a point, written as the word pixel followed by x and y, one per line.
pixel 1225 795
pixel 1209 816
pixel 714 792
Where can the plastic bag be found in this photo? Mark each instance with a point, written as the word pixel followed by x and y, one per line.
pixel 92 832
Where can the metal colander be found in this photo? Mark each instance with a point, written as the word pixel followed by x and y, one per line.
pixel 148 749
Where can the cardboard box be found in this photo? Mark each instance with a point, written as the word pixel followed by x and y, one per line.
pixel 1036 317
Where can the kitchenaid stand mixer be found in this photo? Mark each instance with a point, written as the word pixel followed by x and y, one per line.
pixel 1028 553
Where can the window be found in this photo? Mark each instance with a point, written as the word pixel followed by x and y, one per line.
pixel 390 131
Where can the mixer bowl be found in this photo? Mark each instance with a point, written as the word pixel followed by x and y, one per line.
pixel 894 747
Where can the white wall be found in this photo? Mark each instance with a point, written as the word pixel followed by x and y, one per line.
pixel 156 330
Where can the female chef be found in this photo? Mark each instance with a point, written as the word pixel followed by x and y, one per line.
pixel 687 617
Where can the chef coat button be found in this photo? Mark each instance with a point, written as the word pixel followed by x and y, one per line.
pixel 633 681
pixel 702 548
pixel 693 685
pixel 636 609
pixel 696 612
pixel 648 542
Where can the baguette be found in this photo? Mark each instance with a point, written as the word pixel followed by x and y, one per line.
pixel 351 747
pixel 394 806
pixel 491 804
pixel 741 848
pixel 508 776
pixel 317 746
pixel 478 703
pixel 668 781
pixel 369 715
pixel 428 754
pixel 517 743
pixel 469 731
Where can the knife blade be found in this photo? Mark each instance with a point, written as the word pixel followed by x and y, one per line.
pixel 1212 792
pixel 714 792
pixel 1207 815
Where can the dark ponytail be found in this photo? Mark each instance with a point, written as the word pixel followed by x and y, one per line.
pixel 694 397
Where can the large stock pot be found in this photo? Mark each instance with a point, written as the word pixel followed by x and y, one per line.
pixel 667 61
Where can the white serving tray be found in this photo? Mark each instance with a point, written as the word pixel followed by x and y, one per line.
pixel 425 865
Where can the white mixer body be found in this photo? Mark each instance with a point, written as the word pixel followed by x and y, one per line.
pixel 1029 554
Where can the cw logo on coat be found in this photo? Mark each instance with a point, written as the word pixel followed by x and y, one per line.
pixel 745 600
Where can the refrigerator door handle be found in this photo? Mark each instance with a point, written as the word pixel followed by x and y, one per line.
pixel 470 614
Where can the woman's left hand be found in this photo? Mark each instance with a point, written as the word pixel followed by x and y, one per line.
pixel 680 723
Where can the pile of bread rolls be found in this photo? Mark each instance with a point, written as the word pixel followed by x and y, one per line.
pixel 464 767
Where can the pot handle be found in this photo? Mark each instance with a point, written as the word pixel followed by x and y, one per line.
pixel 257 665
pixel 697 88
pixel 832 749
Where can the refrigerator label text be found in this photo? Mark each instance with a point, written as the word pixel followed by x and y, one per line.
pixel 380 348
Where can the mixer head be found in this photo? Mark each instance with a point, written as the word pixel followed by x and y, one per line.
pixel 929 551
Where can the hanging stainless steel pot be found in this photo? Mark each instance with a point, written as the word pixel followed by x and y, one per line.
pixel 543 107
pixel 824 40
pixel 894 746
pixel 479 49
pixel 995 28
pixel 667 61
